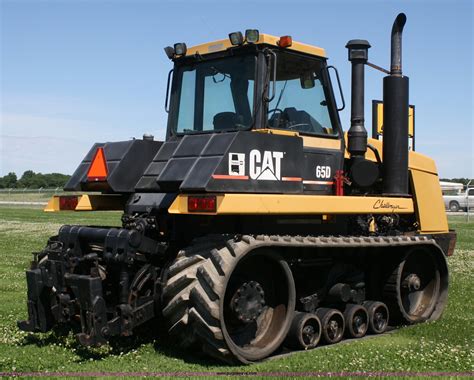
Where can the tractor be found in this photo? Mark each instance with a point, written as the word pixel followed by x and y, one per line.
pixel 258 225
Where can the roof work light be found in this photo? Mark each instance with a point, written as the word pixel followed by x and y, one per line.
pixel 169 52
pixel 180 48
pixel 252 36
pixel 236 38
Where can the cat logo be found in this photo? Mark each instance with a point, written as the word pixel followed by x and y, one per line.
pixel 266 167
pixel 237 164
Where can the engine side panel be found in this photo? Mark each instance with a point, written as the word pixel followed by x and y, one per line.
pixel 243 162
pixel 429 203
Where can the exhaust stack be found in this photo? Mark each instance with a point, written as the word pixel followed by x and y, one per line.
pixel 395 119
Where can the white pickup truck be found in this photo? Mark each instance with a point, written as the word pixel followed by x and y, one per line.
pixel 460 201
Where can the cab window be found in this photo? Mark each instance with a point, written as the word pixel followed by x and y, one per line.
pixel 300 102
pixel 215 95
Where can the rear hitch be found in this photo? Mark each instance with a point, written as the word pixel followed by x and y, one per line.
pixel 93 311
pixel 39 309
pixel 72 280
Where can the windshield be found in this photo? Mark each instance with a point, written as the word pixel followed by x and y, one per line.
pixel 300 102
pixel 215 95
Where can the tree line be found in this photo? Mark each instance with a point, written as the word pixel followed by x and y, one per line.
pixel 33 180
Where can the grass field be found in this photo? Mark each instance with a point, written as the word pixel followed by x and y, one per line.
pixel 30 196
pixel 25 197
pixel 446 345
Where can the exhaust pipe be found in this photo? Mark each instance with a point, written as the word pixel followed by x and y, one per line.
pixel 396 45
pixel 395 119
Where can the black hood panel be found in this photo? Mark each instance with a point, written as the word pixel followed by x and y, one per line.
pixel 227 162
pixel 125 160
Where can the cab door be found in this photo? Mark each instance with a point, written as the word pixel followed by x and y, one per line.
pixel 303 103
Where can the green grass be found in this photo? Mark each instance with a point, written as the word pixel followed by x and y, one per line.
pixel 446 345
pixel 464 230
pixel 31 196
pixel 25 196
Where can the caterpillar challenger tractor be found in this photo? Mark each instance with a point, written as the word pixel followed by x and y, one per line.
pixel 258 225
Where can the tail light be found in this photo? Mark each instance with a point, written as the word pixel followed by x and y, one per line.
pixel 68 202
pixel 205 203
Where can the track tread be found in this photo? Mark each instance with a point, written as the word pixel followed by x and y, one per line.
pixel 193 283
pixel 195 308
pixel 184 263
pixel 218 261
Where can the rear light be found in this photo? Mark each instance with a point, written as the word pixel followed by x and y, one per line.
pixel 285 41
pixel 206 203
pixel 68 202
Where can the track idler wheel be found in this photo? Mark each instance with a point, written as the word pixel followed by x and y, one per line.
pixel 378 316
pixel 305 332
pixel 332 325
pixel 357 321
pixel 417 289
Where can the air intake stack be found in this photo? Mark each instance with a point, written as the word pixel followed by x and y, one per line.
pixel 395 119
pixel 357 135
pixel 363 173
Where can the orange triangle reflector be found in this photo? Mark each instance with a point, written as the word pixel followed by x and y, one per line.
pixel 98 169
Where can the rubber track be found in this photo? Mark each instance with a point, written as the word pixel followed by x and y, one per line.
pixel 194 283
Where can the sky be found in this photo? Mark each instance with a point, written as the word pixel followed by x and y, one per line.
pixel 82 71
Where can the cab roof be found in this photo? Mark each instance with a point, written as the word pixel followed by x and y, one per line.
pixel 222 45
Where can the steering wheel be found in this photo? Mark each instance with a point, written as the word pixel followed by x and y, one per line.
pixel 276 116
pixel 275 110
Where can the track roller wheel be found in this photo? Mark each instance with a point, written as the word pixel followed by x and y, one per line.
pixel 232 300
pixel 332 324
pixel 305 331
pixel 416 291
pixel 378 316
pixel 357 321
